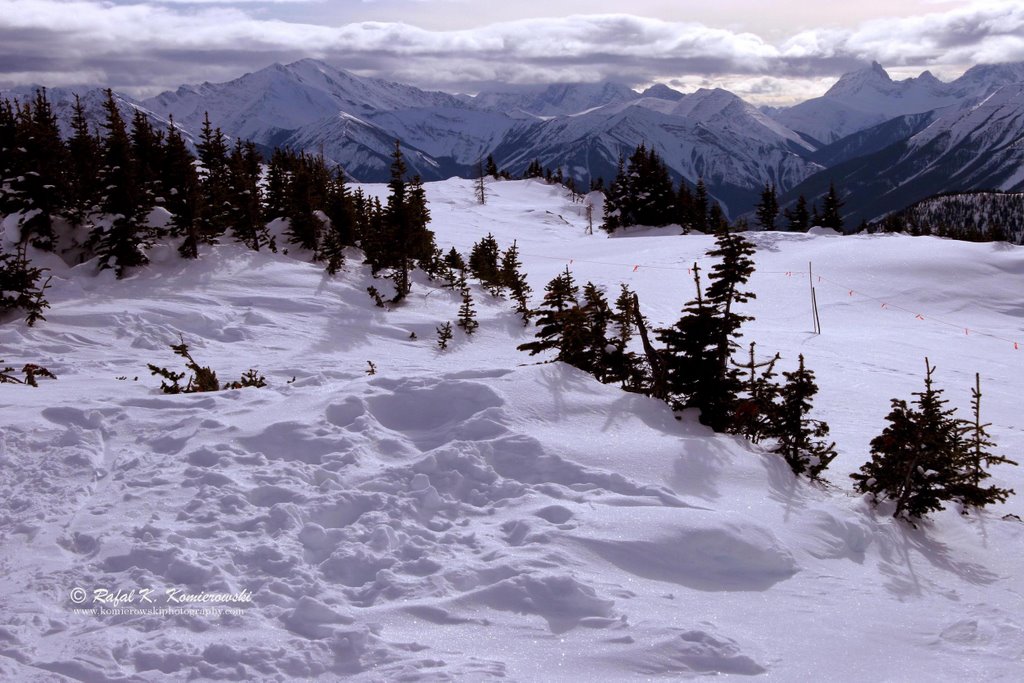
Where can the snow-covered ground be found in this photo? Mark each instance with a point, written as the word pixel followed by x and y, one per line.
pixel 473 513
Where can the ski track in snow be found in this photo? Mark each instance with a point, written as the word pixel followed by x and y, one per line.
pixel 475 514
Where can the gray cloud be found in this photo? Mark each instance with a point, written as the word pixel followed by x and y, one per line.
pixel 146 47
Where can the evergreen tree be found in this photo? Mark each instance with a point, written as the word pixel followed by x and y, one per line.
pixel 725 291
pixel 147 152
pixel 279 172
pixel 403 239
pixel 307 194
pixel 979 458
pixel 615 200
pixel 123 245
pixel 483 262
pixel 478 187
pixel 181 183
pixel 560 296
pixel 597 348
pixel 622 365
pixel 757 409
pixel 20 287
pixel 467 314
pixel 768 208
pixel 684 207
pixel 245 210
pixel 701 200
pixel 444 335
pixel 84 166
pixel 689 352
pixel 831 216
pixel 42 183
pixel 514 279
pixel 801 439
pixel 921 459
pixel 492 168
pixel 799 218
pixel 215 205
pixel 342 229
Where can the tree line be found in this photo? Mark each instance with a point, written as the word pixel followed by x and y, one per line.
pixel 643 193
pixel 93 196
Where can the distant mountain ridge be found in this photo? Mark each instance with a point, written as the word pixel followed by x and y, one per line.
pixel 885 143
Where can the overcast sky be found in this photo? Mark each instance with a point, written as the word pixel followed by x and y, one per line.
pixel 766 51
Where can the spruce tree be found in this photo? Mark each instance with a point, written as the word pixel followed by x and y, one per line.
pixel 799 218
pixel 478 186
pixel 123 245
pixel 801 440
pixel 444 335
pixel 515 280
pixel 560 296
pixel 725 291
pixel 341 231
pixel 215 200
pixel 597 348
pixel 922 460
pixel 623 366
pixel 689 352
pixel 483 263
pixel 757 410
pixel 768 208
pixel 492 168
pixel 978 458
pixel 467 314
pixel 42 184
pixel 245 213
pixel 701 201
pixel 20 287
pixel 84 165
pixel 181 184
pixel 831 216
pixel 615 200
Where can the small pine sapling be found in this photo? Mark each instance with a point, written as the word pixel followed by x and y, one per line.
pixel 444 335
pixel 375 295
pixel 978 458
pixel 203 378
pixel 467 314
pixel 802 440
pixel 513 278
pixel 19 288
pixel 371 369
pixel 31 372
pixel 483 263
pixel 757 411
pixel 250 378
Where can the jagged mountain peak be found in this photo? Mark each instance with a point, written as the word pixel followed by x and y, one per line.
pixel 662 92
pixel 853 82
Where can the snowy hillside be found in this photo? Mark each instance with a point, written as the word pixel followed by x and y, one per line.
pixel 474 513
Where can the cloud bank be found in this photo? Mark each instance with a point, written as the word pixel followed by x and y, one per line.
pixel 143 48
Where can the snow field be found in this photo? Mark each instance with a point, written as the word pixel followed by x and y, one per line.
pixel 475 514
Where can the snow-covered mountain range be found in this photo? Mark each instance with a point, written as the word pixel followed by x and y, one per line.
pixel 886 143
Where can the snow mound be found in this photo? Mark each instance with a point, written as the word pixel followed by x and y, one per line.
pixel 693 548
